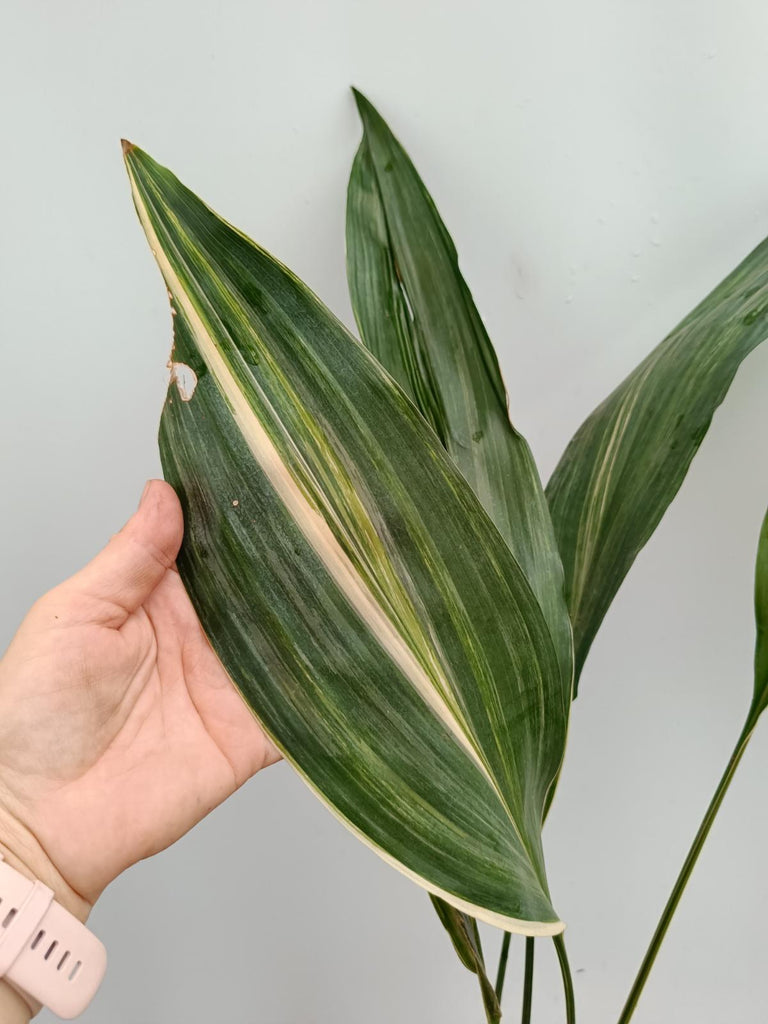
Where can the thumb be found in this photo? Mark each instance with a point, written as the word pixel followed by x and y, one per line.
pixel 123 575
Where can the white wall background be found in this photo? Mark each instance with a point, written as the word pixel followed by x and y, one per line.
pixel 601 166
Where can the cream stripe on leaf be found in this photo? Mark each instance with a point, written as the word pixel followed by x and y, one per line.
pixel 354 588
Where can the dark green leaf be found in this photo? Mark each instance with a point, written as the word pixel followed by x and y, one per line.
pixel 354 588
pixel 628 459
pixel 416 314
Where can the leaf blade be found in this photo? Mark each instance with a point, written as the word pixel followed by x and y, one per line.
pixel 628 459
pixel 416 313
pixel 365 630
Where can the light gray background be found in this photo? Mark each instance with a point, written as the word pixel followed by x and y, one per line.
pixel 601 166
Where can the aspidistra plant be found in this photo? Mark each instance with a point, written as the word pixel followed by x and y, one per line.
pixel 368 543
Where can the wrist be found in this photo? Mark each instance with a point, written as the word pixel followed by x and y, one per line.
pixel 23 852
pixel 38 923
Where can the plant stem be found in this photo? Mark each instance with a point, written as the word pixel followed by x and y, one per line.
pixel 528 982
pixel 685 871
pixel 502 964
pixel 565 970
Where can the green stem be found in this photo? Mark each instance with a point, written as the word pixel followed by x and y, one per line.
pixel 528 982
pixel 503 956
pixel 685 871
pixel 565 970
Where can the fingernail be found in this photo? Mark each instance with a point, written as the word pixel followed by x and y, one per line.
pixel 145 492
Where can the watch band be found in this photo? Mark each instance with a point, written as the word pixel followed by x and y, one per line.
pixel 44 950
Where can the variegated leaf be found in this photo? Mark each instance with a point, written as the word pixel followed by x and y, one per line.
pixel 353 586
pixel 416 314
pixel 628 459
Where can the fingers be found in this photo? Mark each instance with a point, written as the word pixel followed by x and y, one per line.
pixel 123 575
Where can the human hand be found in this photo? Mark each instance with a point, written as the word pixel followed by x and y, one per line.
pixel 119 728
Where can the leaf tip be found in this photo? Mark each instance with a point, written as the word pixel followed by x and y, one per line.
pixel 362 101
pixel 128 147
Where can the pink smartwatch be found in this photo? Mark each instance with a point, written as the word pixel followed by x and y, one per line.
pixel 45 952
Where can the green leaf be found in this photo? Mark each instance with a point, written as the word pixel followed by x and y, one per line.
pixel 628 459
pixel 760 699
pixel 416 314
pixel 354 588
pixel 465 937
